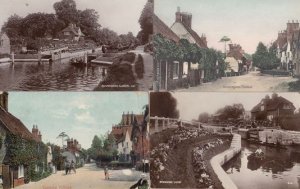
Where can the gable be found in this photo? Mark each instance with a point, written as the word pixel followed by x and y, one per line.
pixel 180 30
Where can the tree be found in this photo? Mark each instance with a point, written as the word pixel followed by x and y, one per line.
pixel 265 59
pixel 12 26
pixel 88 22
pixel 204 117
pixel 66 10
pixel 97 143
pixel 146 22
pixel 163 104
pixel 224 40
pixel 63 135
pixel 231 112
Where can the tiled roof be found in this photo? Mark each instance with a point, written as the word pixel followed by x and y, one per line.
pixel 272 104
pixel 159 27
pixel 119 132
pixel 14 125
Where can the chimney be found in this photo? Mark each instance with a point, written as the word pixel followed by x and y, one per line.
pixel 178 15
pixel 186 19
pixel 4 101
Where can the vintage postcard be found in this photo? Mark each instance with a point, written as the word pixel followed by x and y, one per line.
pixel 224 140
pixel 74 140
pixel 232 45
pixel 76 45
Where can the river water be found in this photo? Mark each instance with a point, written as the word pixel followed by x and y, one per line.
pixel 279 170
pixel 56 76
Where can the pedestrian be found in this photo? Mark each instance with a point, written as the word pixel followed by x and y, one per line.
pixel 141 184
pixel 106 173
pixel 72 167
pixel 67 166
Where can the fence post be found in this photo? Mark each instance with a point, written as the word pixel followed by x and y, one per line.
pixel 156 124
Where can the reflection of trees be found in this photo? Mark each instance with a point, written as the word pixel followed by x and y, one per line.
pixel 276 163
pixel 234 163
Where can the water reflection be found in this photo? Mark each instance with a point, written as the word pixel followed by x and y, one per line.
pixel 50 76
pixel 279 169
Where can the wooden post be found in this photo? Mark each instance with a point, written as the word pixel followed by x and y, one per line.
pixel 85 58
pixel 156 124
pixel 13 57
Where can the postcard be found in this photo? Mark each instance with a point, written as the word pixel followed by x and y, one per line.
pixel 226 46
pixel 76 45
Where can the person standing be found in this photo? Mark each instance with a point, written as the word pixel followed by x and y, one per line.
pixel 67 166
pixel 106 174
pixel 72 167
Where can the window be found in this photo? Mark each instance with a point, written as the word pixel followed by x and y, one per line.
pixel 262 108
pixel 66 33
pixel 286 107
pixel 175 69
pixel 122 144
pixel 21 171
pixel 127 144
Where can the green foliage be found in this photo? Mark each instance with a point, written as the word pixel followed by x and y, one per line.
pixel 26 152
pixel 265 59
pixel 184 51
pixel 102 148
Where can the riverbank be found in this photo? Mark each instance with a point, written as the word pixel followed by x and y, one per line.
pixel 175 147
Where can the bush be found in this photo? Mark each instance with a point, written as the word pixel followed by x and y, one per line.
pixel 119 165
pixel 128 57
pixel 294 86
pixel 276 72
pixel 139 67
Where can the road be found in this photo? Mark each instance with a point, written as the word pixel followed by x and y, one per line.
pixel 87 177
pixel 147 81
pixel 251 82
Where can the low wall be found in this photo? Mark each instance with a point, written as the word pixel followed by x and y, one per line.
pixel 218 160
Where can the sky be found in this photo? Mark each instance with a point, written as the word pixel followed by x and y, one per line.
pixel 118 15
pixel 246 22
pixel 79 115
pixel 191 104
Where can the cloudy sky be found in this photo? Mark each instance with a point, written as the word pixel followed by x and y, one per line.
pixel 80 115
pixel 118 15
pixel 190 105
pixel 245 21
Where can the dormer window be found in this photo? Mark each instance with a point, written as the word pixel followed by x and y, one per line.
pixel 262 108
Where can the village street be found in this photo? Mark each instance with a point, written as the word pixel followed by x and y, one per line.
pixel 89 177
pixel 146 82
pixel 252 82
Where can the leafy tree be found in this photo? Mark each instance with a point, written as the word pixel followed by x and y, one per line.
pixel 204 117
pixel 66 10
pixel 39 24
pixel 97 143
pixel 265 59
pixel 12 27
pixel 224 40
pixel 88 21
pixel 234 112
pixel 163 104
pixel 146 22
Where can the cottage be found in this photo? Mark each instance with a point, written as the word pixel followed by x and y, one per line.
pixel 4 44
pixel 236 59
pixel 170 75
pixel 130 137
pixel 72 32
pixel 285 46
pixel 12 175
pixel 123 144
pixel 182 27
pixel 296 52
pixel 273 109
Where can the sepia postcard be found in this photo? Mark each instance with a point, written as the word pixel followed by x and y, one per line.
pixel 76 45
pixel 226 46
pixel 237 140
